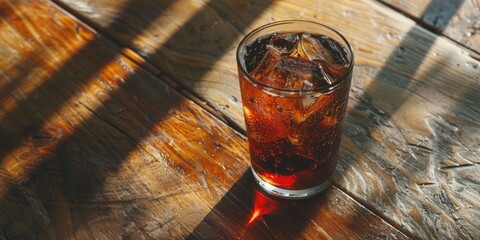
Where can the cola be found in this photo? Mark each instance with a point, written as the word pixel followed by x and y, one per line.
pixel 294 87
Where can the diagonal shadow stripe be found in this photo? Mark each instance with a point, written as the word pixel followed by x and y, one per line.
pixel 67 89
pixel 397 73
pixel 403 64
pixel 59 82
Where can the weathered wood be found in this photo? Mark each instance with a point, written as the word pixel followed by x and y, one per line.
pixel 92 146
pixel 456 19
pixel 268 217
pixel 410 149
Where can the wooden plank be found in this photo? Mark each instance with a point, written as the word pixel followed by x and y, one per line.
pixel 457 19
pixel 92 146
pixel 410 149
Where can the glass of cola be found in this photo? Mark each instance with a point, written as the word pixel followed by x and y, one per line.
pixel 294 79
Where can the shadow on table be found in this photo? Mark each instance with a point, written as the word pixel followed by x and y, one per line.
pixel 246 212
pixel 59 172
pixel 397 76
pixel 62 85
pixel 400 67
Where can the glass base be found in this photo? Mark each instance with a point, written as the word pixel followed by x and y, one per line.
pixel 289 193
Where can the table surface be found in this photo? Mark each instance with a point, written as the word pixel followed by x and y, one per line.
pixel 122 119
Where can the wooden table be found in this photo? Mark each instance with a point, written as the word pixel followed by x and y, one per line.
pixel 122 119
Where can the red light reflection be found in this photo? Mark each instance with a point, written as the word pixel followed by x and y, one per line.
pixel 263 205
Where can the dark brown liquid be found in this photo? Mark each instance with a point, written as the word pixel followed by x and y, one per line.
pixel 294 141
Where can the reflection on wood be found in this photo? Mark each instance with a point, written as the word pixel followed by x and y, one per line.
pixel 94 147
pixel 410 150
pixel 260 216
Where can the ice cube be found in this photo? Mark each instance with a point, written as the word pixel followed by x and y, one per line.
pixel 288 72
pixel 328 52
pixel 262 119
pixel 284 43
pixel 295 139
pixel 311 106
pixel 308 101
pixel 266 65
pixel 255 51
pixel 298 74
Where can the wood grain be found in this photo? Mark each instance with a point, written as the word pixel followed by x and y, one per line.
pixel 410 150
pixel 457 19
pixel 93 146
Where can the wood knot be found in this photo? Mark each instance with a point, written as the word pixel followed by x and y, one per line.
pixel 42 138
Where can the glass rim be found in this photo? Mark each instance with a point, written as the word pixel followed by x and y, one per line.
pixel 329 88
